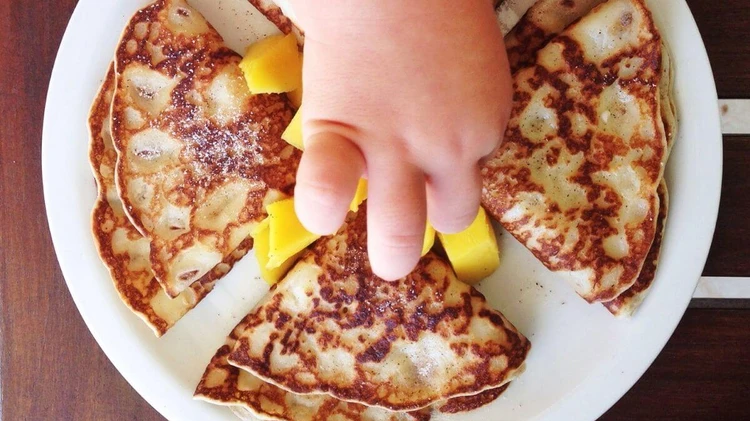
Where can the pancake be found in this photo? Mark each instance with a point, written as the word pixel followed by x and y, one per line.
pixel 625 304
pixel 251 398
pixel 331 326
pixel 548 18
pixel 576 178
pixel 122 248
pixel 198 156
pixel 224 384
pixel 544 20
pixel 666 92
pixel 469 403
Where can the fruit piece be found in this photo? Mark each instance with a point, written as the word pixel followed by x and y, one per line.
pixel 360 195
pixel 429 239
pixel 262 226
pixel 473 252
pixel 293 132
pixel 287 235
pixel 295 97
pixel 261 238
pixel 273 65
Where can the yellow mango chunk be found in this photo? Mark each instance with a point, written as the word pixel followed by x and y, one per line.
pixel 473 252
pixel 295 97
pixel 261 240
pixel 429 239
pixel 273 65
pixel 293 132
pixel 262 226
pixel 360 195
pixel 287 235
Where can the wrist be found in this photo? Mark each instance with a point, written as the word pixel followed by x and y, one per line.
pixel 322 18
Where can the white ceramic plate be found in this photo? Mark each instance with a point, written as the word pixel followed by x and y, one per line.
pixel 582 360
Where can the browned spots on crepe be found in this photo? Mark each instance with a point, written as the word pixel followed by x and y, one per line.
pixel 625 304
pixel 248 395
pixel 199 156
pixel 122 248
pixel 576 177
pixel 225 384
pixel 544 20
pixel 331 326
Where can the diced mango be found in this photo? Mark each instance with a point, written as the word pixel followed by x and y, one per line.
pixel 263 225
pixel 360 195
pixel 293 132
pixel 261 238
pixel 295 97
pixel 287 235
pixel 273 65
pixel 473 252
pixel 429 239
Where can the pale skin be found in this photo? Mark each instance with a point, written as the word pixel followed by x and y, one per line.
pixel 410 94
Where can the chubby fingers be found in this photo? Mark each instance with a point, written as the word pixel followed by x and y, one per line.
pixel 396 214
pixel 326 181
pixel 453 196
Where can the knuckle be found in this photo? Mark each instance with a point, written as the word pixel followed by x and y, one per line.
pixel 398 242
pixel 319 192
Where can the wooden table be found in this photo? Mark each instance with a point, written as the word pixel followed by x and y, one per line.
pixel 53 370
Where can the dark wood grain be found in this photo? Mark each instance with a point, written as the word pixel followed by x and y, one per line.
pixel 702 374
pixel 724 27
pixel 51 368
pixel 729 251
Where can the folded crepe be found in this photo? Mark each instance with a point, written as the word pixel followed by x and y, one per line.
pixel 251 398
pixel 577 176
pixel 122 248
pixel 625 304
pixel 198 155
pixel 332 327
pixel 543 21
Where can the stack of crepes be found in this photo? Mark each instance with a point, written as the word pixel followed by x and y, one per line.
pixel 186 160
pixel 333 342
pixel 579 179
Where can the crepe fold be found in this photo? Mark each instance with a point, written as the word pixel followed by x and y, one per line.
pixel 579 177
pixel 337 338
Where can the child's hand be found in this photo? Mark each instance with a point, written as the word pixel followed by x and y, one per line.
pixel 411 94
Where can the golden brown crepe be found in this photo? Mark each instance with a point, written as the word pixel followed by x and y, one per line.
pixel 576 178
pixel 331 326
pixel 625 304
pixel 543 21
pixel 224 384
pixel 547 19
pixel 122 248
pixel 251 398
pixel 199 157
